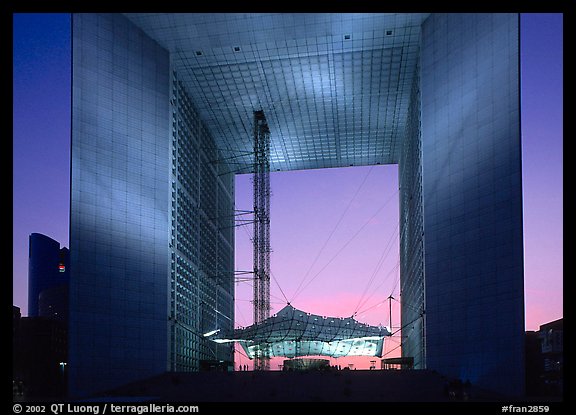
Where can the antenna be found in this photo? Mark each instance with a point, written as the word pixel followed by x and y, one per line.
pixel 390 298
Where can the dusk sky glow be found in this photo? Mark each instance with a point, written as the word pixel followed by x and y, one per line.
pixel 334 232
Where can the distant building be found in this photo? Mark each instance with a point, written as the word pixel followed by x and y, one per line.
pixel 552 338
pixel 545 360
pixel 48 278
pixel 40 341
pixel 16 315
pixel 534 363
pixel 39 357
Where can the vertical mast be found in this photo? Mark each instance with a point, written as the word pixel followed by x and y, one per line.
pixel 261 182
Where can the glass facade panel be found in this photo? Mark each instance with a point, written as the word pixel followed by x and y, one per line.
pixel 119 204
pixel 412 233
pixel 471 171
pixel 202 239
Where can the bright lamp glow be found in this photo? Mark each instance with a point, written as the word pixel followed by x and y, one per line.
pixel 211 333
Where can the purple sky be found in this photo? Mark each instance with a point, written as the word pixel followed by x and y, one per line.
pixel 306 205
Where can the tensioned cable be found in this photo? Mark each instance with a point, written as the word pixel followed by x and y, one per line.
pixel 271 302
pixel 417 309
pixel 280 300
pixel 279 287
pixel 271 274
pixel 242 315
pixel 399 344
pixel 393 339
pixel 371 307
pixel 392 271
pixel 331 234
pixel 346 244
pixel 379 264
pixel 383 301
pixel 397 279
pixel 242 353
pixel 407 324
pixel 391 350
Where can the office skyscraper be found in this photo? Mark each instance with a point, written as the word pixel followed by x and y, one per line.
pixel 48 278
pixel 161 122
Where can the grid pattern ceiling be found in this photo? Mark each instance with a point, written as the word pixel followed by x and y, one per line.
pixel 335 88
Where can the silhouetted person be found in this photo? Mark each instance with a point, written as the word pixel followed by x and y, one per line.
pixel 466 390
pixel 454 389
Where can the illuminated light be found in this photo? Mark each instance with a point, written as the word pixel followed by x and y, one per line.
pixel 211 333
pixel 61 267
pixel 221 341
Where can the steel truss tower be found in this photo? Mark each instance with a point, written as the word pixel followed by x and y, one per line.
pixel 261 182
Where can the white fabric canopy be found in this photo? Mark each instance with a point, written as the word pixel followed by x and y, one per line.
pixel 292 333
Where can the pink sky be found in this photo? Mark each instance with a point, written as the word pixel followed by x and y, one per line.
pixel 339 283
